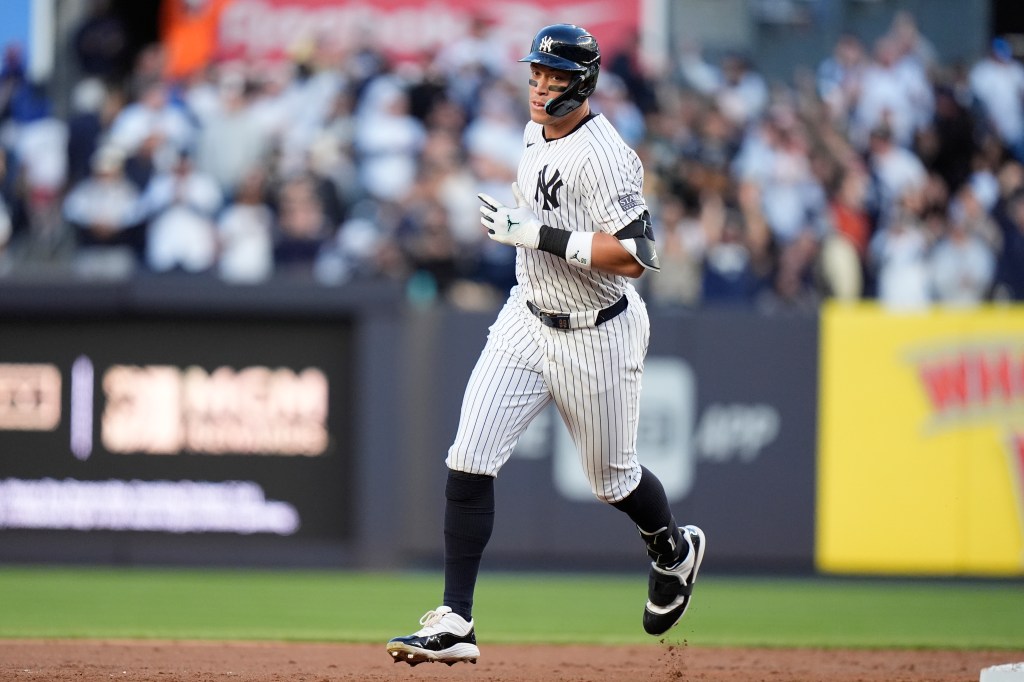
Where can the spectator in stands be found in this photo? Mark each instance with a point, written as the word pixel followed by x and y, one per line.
pixel 897 172
pixel 613 101
pixel 961 266
pixel 388 141
pixel 947 144
pixel 364 247
pixel 272 100
pixel 1009 277
pixel 471 61
pixel 894 93
pixel 38 144
pixel 89 118
pixel 910 43
pixel 104 209
pixel 738 90
pixel 849 212
pixel 732 273
pixel 972 207
pixel 845 251
pixel 153 119
pixel 791 201
pixel 428 245
pixel 839 76
pixel 332 153
pixel 446 177
pixel 302 227
pixel 148 160
pixel 230 141
pixel 245 233
pixel 682 232
pixel 495 136
pixel 899 258
pixel 313 94
pixel 997 81
pixel 743 92
pixel 180 206
pixel 334 174
pixel 707 153
pixel 182 183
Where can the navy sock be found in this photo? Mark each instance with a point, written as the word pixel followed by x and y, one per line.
pixel 468 522
pixel 647 506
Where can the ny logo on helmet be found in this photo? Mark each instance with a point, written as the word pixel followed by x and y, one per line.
pixel 546 44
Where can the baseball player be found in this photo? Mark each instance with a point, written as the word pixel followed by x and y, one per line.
pixel 574 332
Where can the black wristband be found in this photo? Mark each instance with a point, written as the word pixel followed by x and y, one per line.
pixel 553 241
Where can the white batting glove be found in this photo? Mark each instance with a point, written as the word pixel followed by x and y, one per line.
pixel 517 226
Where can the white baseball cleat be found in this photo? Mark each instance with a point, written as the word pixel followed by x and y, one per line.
pixel 445 637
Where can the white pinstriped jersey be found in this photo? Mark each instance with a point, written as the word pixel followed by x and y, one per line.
pixel 588 181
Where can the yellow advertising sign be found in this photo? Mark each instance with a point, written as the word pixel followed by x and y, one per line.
pixel 921 442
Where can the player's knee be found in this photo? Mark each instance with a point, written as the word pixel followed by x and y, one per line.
pixel 616 486
pixel 607 496
pixel 463 486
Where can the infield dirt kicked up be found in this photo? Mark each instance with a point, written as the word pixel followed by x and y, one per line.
pixel 179 661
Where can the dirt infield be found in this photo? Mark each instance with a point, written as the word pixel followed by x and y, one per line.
pixel 165 661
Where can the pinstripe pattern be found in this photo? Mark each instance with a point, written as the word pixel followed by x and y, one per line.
pixel 597 169
pixel 593 375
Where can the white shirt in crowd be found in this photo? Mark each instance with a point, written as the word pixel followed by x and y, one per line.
pixel 999 85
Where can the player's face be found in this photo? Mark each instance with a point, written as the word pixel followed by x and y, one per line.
pixel 546 84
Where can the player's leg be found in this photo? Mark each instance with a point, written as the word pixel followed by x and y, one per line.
pixel 676 553
pixel 596 386
pixel 505 392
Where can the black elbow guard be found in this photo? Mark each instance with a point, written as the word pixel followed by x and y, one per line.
pixel 638 239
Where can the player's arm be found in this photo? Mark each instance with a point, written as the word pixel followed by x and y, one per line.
pixel 628 252
pixel 608 254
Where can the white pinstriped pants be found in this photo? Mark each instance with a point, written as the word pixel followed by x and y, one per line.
pixel 593 375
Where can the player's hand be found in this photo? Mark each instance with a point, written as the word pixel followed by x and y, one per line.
pixel 518 226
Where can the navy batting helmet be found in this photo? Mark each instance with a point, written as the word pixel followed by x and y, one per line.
pixel 568 48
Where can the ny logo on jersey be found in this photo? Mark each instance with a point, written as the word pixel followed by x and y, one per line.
pixel 546 44
pixel 548 188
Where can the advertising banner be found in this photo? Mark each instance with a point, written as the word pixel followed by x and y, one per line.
pixel 232 433
pixel 921 458
pixel 404 29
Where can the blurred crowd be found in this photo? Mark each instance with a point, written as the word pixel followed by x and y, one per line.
pixel 878 173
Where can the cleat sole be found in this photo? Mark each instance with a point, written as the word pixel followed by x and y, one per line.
pixel 402 654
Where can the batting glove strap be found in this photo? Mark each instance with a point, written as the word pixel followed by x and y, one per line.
pixel 553 241
pixel 575 247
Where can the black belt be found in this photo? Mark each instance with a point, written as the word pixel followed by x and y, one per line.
pixel 564 320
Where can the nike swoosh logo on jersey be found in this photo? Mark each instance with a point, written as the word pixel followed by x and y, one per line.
pixel 530 144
